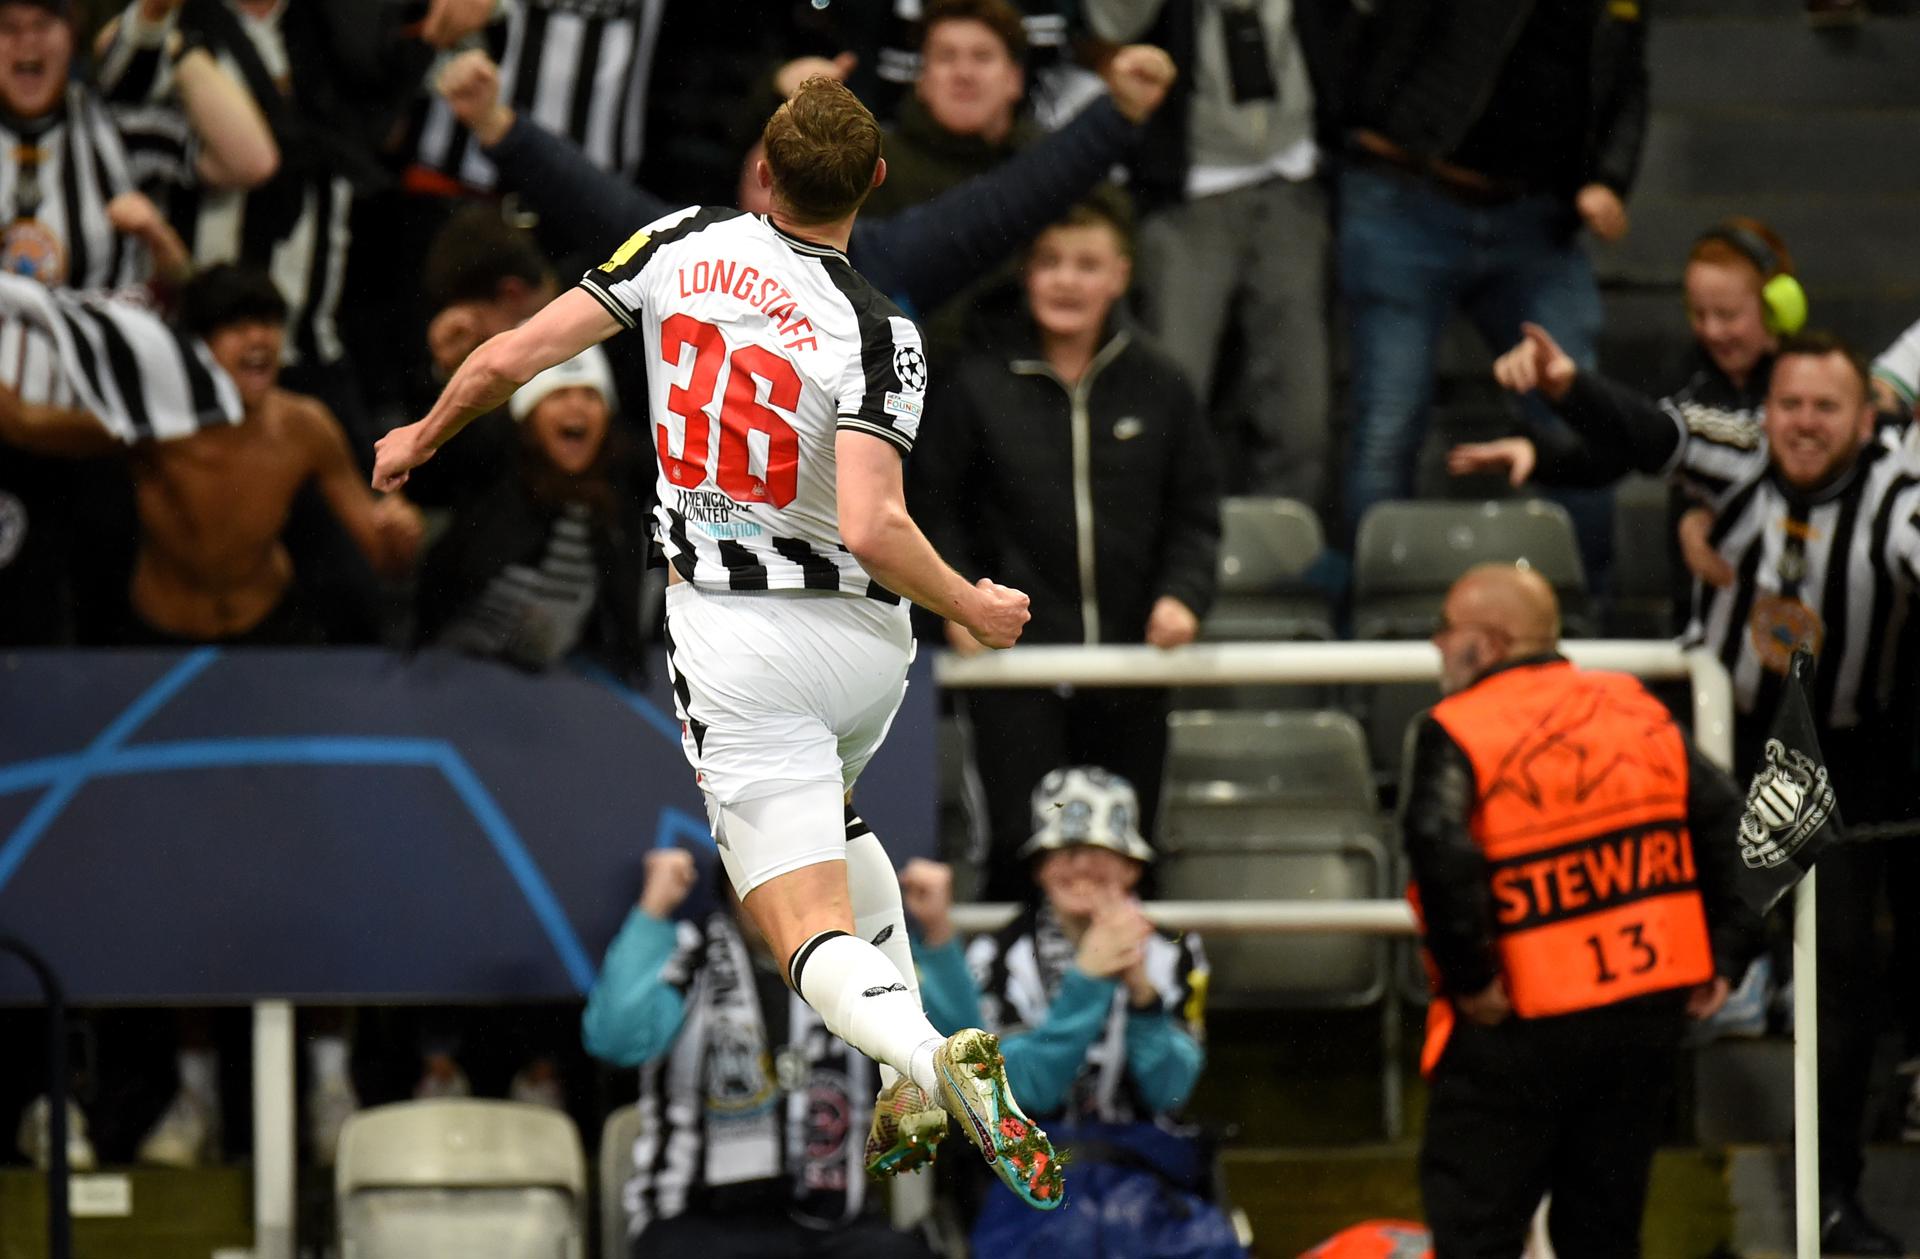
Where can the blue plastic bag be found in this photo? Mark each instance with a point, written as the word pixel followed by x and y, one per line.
pixel 1130 1195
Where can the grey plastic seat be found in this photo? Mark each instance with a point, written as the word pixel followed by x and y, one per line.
pixel 1407 556
pixel 1314 759
pixel 461 1179
pixel 1409 553
pixel 1640 600
pixel 617 1137
pixel 1266 547
pixel 1277 852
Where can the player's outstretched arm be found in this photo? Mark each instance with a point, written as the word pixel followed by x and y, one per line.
pixel 565 326
pixel 876 527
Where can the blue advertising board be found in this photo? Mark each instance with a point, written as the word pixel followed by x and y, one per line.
pixel 339 825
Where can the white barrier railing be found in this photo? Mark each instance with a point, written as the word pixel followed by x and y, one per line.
pixel 1375 917
pixel 1225 664
pixel 1222 664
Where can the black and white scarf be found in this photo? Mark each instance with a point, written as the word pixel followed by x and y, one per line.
pixel 143 379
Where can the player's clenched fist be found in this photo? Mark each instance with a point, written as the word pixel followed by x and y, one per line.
pixel 670 873
pixel 398 454
pixel 999 613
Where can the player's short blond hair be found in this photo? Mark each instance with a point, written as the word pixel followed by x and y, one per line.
pixel 822 147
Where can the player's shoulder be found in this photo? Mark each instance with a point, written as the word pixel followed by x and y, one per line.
pixel 869 304
pixel 689 221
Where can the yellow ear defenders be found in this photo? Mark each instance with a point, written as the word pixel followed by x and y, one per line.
pixel 1781 297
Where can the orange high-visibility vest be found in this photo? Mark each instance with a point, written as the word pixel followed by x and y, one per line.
pixel 1580 806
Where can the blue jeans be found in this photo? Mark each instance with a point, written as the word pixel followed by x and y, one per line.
pixel 1409 256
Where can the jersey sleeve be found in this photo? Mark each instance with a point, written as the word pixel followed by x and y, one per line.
pixel 885 387
pixel 1899 366
pixel 619 283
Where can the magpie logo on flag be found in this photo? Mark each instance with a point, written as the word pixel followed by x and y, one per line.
pixel 1789 800
pixel 1791 813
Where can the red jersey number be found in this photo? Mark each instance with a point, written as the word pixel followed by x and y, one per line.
pixel 741 414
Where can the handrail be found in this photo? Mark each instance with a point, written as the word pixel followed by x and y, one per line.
pixel 1227 664
pixel 59 1219
pixel 1367 917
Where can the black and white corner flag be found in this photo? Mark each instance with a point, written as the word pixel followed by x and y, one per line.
pixel 1791 814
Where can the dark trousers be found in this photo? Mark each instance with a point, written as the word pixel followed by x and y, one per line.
pixel 1853 989
pixel 1409 257
pixel 1571 1106
pixel 773 1237
pixel 1015 737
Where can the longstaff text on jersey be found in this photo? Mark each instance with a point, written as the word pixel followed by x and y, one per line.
pixel 764 346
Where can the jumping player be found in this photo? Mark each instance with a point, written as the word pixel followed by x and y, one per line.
pixel 785 395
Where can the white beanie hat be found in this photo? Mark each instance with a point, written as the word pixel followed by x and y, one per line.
pixel 589 368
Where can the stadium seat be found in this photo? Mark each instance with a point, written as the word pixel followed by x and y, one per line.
pixel 1314 759
pixel 1280 852
pixel 1266 546
pixel 1640 602
pixel 1281 806
pixel 1409 553
pixel 617 1136
pixel 461 1179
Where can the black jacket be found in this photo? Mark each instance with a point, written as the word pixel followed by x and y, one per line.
pixel 1020 478
pixel 1425 71
pixel 1565 457
pixel 920 257
pixel 504 524
pixel 1456 896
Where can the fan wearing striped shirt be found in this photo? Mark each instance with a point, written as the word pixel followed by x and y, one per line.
pixel 71 166
pixel 1817 519
pixel 786 394
pixel 211 566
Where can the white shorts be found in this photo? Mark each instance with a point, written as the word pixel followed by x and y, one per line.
pixel 779 693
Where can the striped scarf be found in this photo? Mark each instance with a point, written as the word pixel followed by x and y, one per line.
pixel 142 379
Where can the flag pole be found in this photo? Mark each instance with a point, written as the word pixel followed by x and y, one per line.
pixel 1806 1075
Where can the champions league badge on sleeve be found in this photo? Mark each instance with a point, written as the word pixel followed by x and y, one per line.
pixel 1791 813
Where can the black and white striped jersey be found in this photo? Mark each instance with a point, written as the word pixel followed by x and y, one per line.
pixel 1019 969
pixel 143 379
pixel 1832 570
pixel 579 68
pixel 57 175
pixel 765 346
pixel 295 227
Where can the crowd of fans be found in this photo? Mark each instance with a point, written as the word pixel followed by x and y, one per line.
pixel 1125 226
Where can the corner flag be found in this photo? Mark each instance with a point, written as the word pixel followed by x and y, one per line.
pixel 1791 814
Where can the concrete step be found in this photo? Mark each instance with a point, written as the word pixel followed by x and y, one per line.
pixel 1778 11
pixel 1840 240
pixel 1296 1198
pixel 1737 63
pixel 1760 1185
pixel 1760 150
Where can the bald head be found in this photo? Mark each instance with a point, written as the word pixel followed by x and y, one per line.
pixel 1494 613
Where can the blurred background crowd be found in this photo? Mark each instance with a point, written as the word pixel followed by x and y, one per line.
pixel 1211 289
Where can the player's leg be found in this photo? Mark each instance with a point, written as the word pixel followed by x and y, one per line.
pixel 786 855
pixel 908 1120
pixel 972 1077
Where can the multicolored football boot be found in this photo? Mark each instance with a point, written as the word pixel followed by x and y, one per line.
pixel 907 1129
pixel 973 1088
